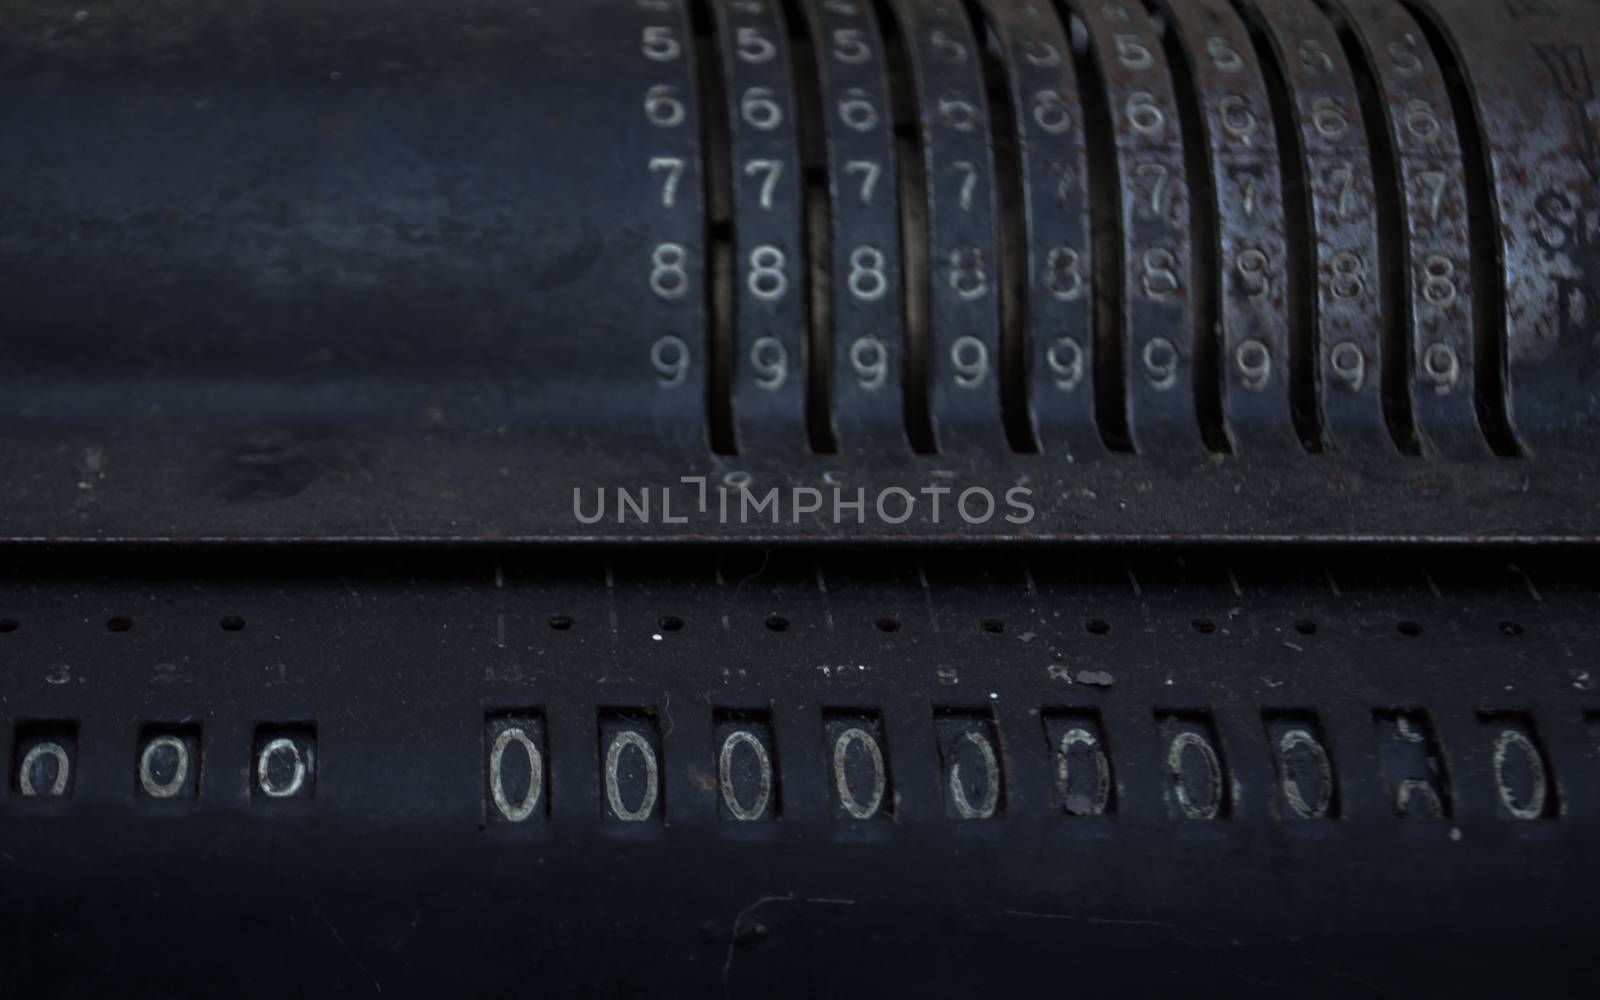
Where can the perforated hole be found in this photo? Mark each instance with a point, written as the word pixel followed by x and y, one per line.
pixel 1306 626
pixel 993 626
pixel 1510 628
pixel 777 623
pixel 888 624
pixel 1097 626
pixel 670 623
pixel 119 623
pixel 1204 626
pixel 561 622
pixel 232 623
pixel 8 625
pixel 1409 628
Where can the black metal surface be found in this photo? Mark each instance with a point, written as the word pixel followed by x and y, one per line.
pixel 696 279
pixel 392 869
pixel 1544 221
pixel 1248 271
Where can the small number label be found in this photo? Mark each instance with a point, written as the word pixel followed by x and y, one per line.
pixel 747 785
pixel 1196 782
pixel 631 768
pixel 969 755
pixel 285 764
pixel 856 761
pixel 169 764
pixel 515 768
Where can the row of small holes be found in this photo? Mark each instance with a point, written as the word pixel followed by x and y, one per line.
pixel 994 626
pixel 122 623
pixel 778 623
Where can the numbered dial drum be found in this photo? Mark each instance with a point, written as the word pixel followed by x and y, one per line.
pixel 872 229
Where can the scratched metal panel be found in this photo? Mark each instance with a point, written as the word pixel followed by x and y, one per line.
pixel 780 771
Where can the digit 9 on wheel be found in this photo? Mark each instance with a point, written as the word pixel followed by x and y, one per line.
pixel 1156 327
pixel 771 319
pixel 1340 248
pixel 1529 92
pixel 655 44
pixel 867 300
pixel 1250 236
pixel 959 318
pixel 1431 178
pixel 1055 302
